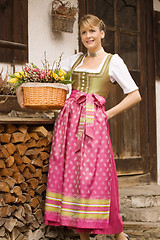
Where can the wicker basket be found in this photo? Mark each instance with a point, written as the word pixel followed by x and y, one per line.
pixel 44 96
pixel 62 23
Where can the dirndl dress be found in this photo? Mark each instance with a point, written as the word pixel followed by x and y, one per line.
pixel 82 188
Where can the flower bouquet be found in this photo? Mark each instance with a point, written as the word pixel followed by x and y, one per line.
pixel 43 89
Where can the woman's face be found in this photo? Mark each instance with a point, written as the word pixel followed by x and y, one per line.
pixel 91 37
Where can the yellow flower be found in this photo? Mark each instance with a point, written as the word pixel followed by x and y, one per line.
pixel 13 80
pixel 54 75
pixel 62 72
pixel 62 78
pixel 17 75
pixel 23 73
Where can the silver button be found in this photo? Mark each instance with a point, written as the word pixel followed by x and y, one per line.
pixel 82 80
pixel 82 84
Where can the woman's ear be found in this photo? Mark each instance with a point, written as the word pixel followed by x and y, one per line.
pixel 102 34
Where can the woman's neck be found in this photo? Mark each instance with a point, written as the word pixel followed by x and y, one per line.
pixel 95 53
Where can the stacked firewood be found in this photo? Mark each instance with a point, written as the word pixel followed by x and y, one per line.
pixel 24 159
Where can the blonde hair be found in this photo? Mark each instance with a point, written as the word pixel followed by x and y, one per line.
pixel 93 21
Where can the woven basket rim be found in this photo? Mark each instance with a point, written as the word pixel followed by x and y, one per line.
pixel 53 85
pixel 62 16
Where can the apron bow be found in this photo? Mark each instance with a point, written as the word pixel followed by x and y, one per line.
pixel 87 115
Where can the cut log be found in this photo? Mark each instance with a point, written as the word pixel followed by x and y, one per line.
pixel 4 187
pixel 34 202
pixel 31 192
pixel 38 174
pixel 34 135
pixel 3 211
pixel 21 148
pixel 35 224
pixel 21 199
pixel 8 198
pixel 28 209
pixel 2 221
pixel 32 168
pixel 4 151
pixel 17 158
pixel 29 218
pixel 45 168
pixel 50 136
pixel 32 143
pixel 38 214
pixel 40 189
pixel 37 162
pixel 17 137
pixel 15 233
pixel 10 224
pixel 27 174
pixel 22 167
pixel 15 168
pixel 10 148
pixel 6 172
pixel 2 232
pixel 5 138
pixel 43 155
pixel 23 186
pixel 42 142
pixel 11 182
pixel 23 128
pixel 20 214
pixel 9 161
pixel 1 154
pixel 12 209
pixel 33 183
pixel 47 149
pixel 2 164
pixel 18 177
pixel 16 191
pixel 27 196
pixel 9 128
pixel 40 130
pixel 44 178
pixel 26 160
pixel 38 234
pixel 27 137
pixel 29 234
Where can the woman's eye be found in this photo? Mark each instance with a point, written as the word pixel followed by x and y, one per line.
pixel 92 30
pixel 83 32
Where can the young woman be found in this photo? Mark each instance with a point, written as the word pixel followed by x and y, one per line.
pixel 82 190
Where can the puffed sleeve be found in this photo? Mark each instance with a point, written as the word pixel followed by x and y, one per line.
pixel 118 72
pixel 67 63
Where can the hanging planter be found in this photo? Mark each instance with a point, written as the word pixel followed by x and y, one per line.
pixel 63 16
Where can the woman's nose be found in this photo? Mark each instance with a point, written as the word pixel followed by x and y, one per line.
pixel 88 34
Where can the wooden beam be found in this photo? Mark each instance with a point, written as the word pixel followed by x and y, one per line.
pixel 13 45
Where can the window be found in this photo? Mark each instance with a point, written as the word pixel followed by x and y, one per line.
pixel 13 31
pixel 157 43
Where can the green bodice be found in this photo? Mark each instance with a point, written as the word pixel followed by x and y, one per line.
pixel 89 82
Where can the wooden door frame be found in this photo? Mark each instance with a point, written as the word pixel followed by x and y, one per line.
pixel 149 72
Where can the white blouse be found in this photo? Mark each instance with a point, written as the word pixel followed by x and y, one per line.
pixel 118 71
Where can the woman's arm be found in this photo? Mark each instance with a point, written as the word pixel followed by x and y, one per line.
pixel 130 100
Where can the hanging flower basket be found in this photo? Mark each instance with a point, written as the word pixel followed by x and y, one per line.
pixel 44 96
pixel 63 16
pixel 62 23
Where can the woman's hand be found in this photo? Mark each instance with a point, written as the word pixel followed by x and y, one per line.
pixel 130 100
pixel 19 93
